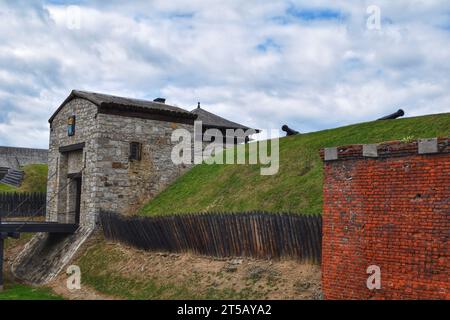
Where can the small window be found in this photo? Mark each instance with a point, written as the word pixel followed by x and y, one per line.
pixel 135 151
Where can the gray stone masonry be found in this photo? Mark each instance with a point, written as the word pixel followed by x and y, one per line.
pixel 16 157
pixel 110 180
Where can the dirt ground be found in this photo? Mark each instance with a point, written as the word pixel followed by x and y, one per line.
pixel 270 279
pixel 285 279
pixel 265 279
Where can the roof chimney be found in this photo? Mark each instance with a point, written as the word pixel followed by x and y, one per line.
pixel 160 100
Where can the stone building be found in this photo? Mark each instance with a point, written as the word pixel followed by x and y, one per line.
pixel 105 153
pixel 114 153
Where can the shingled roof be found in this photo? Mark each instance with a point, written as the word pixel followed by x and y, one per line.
pixel 115 105
pixel 106 101
pixel 211 120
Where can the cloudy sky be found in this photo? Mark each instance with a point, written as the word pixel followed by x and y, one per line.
pixel 261 63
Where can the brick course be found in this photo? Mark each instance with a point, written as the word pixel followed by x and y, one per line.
pixel 392 211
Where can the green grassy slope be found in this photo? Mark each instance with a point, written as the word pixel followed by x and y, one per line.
pixel 7 188
pixel 35 180
pixel 16 291
pixel 298 185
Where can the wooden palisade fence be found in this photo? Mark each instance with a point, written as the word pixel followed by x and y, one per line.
pixel 252 234
pixel 16 204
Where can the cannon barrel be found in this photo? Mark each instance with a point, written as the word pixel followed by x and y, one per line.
pixel 399 113
pixel 289 131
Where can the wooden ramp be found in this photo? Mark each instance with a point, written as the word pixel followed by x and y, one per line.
pixel 14 228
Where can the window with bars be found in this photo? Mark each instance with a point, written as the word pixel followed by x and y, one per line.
pixel 135 151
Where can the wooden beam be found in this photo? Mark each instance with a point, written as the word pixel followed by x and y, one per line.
pixel 75 175
pixel 51 227
pixel 72 147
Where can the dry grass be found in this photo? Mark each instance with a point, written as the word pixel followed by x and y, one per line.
pixel 124 272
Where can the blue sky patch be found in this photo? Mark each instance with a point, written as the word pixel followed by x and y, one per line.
pixel 294 15
pixel 309 14
pixel 181 15
pixel 268 44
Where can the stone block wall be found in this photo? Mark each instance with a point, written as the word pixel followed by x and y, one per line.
pixel 47 254
pixel 387 205
pixel 125 184
pixel 61 164
pixel 15 157
pixel 110 180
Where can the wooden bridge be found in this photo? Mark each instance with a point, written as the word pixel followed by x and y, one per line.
pixel 13 229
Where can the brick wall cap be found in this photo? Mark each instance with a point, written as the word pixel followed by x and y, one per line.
pixel 395 148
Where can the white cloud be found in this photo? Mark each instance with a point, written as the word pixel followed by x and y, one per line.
pixel 262 63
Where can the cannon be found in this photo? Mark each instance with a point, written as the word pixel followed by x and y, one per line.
pixel 289 131
pixel 395 115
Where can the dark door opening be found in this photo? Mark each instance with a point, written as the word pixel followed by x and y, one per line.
pixel 77 182
pixel 72 212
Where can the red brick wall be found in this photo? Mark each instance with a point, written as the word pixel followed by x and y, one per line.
pixel 392 211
